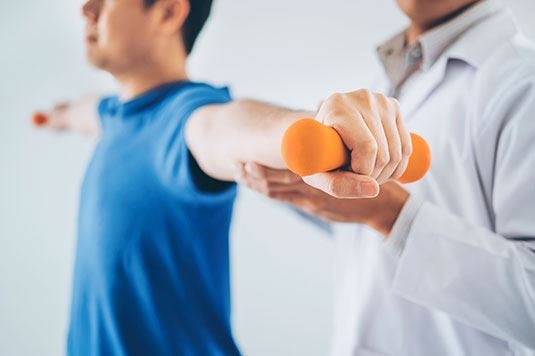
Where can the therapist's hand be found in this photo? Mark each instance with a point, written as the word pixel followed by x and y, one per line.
pixel 371 128
pixel 379 213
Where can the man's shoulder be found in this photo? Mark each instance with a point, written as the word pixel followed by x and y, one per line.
pixel 183 101
pixel 199 94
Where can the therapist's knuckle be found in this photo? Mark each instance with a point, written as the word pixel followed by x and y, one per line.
pixel 368 146
pixel 406 150
pixel 338 114
pixel 365 93
pixel 397 173
pixel 356 95
pixel 382 100
pixel 394 103
pixel 393 113
pixel 395 155
pixel 383 158
pixel 370 99
pixel 334 101
pixel 333 110
pixel 380 105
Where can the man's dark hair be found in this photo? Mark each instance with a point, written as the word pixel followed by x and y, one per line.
pixel 198 13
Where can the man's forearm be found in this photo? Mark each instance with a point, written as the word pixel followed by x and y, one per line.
pixel 220 136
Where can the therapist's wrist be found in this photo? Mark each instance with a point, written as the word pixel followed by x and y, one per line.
pixel 393 198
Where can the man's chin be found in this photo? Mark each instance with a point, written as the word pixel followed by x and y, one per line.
pixel 95 59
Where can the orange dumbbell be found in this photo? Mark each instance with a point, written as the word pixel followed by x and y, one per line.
pixel 39 119
pixel 310 147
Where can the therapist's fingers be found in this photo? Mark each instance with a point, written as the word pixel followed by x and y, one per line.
pixel 259 171
pixel 344 185
pixel 298 200
pixel 389 113
pixel 374 113
pixel 406 145
pixel 262 185
pixel 343 112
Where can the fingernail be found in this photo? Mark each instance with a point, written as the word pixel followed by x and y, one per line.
pixel 368 189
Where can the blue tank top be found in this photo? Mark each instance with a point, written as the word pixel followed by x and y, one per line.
pixel 152 262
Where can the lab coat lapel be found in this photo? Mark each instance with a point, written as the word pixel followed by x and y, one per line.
pixel 472 48
pixel 423 89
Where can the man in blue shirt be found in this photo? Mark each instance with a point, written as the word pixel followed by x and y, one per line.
pixel 152 263
pixel 151 271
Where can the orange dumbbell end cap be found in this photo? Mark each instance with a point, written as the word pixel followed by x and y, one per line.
pixel 39 119
pixel 309 147
pixel 419 161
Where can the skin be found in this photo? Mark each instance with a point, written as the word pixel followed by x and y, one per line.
pixel 382 211
pixel 372 129
pixel 287 187
pixel 368 123
pixel 427 14
pixel 140 47
pixel 143 48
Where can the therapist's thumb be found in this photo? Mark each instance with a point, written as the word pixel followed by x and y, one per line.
pixel 344 184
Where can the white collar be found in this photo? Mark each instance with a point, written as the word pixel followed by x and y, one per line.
pixel 434 42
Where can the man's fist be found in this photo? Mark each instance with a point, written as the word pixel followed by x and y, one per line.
pixel 54 119
pixel 79 115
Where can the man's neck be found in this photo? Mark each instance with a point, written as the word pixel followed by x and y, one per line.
pixel 416 29
pixel 145 79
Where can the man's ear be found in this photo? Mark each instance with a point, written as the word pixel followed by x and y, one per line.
pixel 172 15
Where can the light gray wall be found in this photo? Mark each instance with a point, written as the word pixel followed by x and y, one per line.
pixel 292 52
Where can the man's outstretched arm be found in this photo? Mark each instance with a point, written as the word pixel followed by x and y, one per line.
pixel 220 136
pixel 76 116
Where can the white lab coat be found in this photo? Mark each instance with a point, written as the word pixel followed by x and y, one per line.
pixel 463 283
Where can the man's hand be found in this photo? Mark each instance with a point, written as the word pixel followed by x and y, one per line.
pixel 379 213
pixel 380 145
pixel 79 116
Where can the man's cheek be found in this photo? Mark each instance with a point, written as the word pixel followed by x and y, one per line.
pixel 108 29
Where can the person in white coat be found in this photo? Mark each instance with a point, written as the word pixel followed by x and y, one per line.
pixel 453 271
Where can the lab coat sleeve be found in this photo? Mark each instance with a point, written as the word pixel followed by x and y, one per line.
pixel 400 230
pixel 482 277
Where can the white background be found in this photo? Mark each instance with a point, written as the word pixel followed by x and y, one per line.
pixel 291 52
